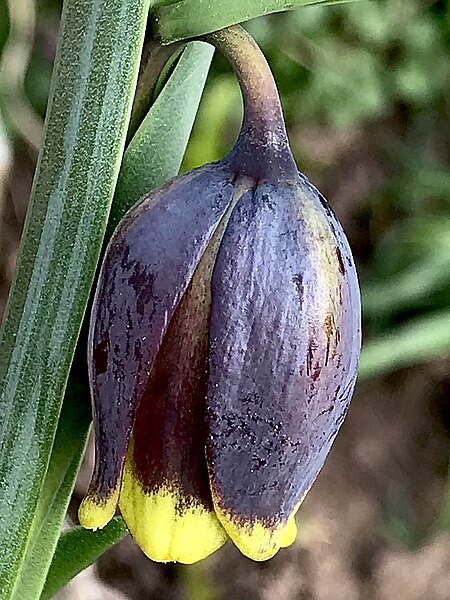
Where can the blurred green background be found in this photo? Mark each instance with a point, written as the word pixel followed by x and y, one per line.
pixel 365 89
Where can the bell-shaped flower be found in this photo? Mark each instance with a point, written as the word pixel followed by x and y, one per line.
pixel 223 347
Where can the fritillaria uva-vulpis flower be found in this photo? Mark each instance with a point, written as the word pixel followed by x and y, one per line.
pixel 224 343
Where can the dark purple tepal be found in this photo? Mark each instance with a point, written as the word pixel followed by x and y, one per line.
pixel 224 344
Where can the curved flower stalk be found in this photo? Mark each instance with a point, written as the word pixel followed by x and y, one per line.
pixel 224 343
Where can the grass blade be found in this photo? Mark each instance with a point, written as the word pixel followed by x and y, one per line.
pixel 156 151
pixel 90 102
pixel 191 18
pixel 419 340
pixel 76 550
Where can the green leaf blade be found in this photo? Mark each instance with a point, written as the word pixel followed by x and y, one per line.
pixel 76 550
pixel 423 338
pixel 156 151
pixel 192 18
pixel 94 78
pixel 64 463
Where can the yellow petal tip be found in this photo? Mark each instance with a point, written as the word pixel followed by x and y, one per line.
pixel 257 540
pixel 165 529
pixel 94 513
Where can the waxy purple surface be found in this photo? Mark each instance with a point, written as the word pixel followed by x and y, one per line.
pixel 281 371
pixel 148 266
pixel 261 383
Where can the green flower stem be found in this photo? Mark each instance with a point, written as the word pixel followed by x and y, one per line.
pixel 90 103
pixel 263 111
pixel 263 134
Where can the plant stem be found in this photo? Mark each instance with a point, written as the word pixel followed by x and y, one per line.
pixel 263 138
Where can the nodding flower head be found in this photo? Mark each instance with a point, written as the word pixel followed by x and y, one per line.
pixel 224 343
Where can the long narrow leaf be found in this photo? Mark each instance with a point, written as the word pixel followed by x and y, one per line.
pixel 94 78
pixel 59 481
pixel 191 18
pixel 156 151
pixel 422 339
pixel 409 287
pixel 76 550
pixel 153 157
